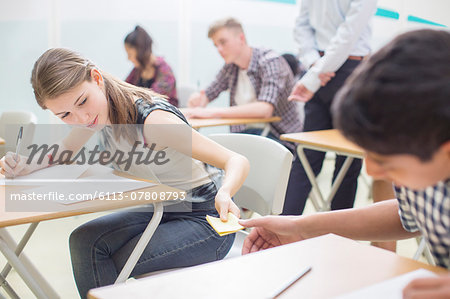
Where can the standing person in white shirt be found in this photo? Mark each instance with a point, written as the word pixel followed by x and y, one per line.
pixel 333 38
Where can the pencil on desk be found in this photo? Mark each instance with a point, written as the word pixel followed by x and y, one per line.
pixel 285 286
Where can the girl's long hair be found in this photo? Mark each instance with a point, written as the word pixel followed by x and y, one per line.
pixel 59 70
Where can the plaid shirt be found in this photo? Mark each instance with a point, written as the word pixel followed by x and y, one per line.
pixel 429 212
pixel 272 80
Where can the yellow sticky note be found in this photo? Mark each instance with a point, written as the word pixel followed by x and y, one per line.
pixel 224 228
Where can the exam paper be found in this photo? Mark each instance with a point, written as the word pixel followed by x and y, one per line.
pixel 56 173
pixel 389 289
pixel 98 186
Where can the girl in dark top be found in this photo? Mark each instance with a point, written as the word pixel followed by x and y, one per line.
pixel 149 70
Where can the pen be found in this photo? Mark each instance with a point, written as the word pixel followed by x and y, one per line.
pixel 284 287
pixel 19 140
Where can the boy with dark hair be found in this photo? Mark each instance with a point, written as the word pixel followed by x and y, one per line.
pixel 397 107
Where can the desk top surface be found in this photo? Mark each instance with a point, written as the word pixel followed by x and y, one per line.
pixel 339 265
pixel 59 210
pixel 331 140
pixel 213 122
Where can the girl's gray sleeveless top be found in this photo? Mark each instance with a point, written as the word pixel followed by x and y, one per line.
pixel 180 171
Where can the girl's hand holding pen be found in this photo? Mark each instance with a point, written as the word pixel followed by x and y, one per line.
pixel 12 166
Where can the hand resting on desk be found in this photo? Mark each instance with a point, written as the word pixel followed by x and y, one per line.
pixel 432 287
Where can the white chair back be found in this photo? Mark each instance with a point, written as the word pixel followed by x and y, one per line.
pixel 10 122
pixel 265 187
pixel 270 163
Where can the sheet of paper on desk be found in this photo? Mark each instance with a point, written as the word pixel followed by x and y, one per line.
pixel 91 187
pixel 389 289
pixel 59 173
pixel 224 228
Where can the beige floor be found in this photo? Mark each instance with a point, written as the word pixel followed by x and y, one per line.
pixel 48 248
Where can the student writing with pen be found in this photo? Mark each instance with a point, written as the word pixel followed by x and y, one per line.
pixel 402 121
pixel 75 90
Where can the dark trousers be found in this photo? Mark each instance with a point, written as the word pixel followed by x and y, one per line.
pixel 318 117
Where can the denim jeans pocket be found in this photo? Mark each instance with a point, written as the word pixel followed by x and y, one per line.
pixel 226 245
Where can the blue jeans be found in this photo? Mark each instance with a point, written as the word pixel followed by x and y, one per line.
pixel 100 248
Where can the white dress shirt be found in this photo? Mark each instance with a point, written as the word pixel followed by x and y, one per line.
pixel 340 28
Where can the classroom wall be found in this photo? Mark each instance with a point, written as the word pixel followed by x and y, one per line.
pixel 178 27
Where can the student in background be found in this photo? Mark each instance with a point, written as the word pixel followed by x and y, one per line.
pixel 403 124
pixel 149 70
pixel 259 81
pixel 333 37
pixel 81 95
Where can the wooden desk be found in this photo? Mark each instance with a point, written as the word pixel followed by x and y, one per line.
pixel 2 141
pixel 31 276
pixel 339 265
pixel 326 140
pixel 198 123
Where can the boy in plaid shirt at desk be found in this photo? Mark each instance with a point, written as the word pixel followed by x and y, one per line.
pixel 259 81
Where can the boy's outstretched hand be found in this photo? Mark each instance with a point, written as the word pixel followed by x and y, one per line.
pixel 430 287
pixel 270 231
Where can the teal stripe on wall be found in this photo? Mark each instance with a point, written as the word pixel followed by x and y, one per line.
pixel 381 12
pixel 423 21
pixel 387 13
pixel 282 1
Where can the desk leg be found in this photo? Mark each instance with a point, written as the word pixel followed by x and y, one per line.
pixel 28 271
pixel 3 297
pixel 423 249
pixel 26 237
pixel 337 183
pixel 317 195
pixel 20 268
pixel 142 243
pixel 19 248
pixel 266 130
pixel 8 289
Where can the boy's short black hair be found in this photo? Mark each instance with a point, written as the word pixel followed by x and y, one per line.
pixel 398 101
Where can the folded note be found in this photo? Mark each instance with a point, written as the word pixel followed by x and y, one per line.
pixel 224 228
